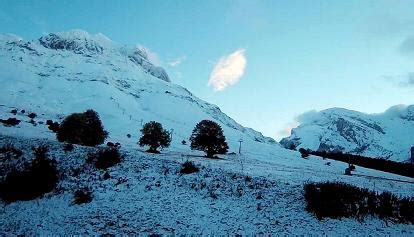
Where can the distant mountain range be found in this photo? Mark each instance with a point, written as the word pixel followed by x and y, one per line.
pixel 388 135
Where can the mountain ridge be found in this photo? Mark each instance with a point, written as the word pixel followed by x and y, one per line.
pixel 382 135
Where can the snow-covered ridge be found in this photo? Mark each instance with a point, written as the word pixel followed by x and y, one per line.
pixel 89 45
pixel 387 135
pixel 67 72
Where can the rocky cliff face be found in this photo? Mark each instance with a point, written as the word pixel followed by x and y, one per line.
pixel 388 135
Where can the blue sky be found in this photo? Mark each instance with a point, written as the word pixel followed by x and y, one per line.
pixel 262 62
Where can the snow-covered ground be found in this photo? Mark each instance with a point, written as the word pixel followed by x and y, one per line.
pixel 147 194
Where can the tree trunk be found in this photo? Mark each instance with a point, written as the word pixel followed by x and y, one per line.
pixel 210 153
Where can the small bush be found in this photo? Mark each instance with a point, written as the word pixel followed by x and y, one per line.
pixel 68 147
pixel 188 167
pixel 13 111
pixel 105 157
pixel 36 179
pixel 83 195
pixel 33 122
pixel 53 126
pixel 183 142
pixel 337 200
pixel 83 129
pixel 23 111
pixel 10 122
pixel 128 135
pixel 304 153
pixel 32 115
pixel 106 176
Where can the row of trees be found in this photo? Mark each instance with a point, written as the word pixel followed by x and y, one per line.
pixel 87 129
pixel 400 168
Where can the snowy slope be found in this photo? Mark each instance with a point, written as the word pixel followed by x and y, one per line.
pixel 68 72
pixel 387 135
pixel 146 194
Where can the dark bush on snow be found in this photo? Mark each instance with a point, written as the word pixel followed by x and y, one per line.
pixel 32 115
pixel 36 179
pixel 337 200
pixel 105 157
pixel 68 147
pixel 83 129
pixel 53 126
pixel 188 167
pixel 10 122
pixel 111 144
pixel 13 111
pixel 304 153
pixel 83 195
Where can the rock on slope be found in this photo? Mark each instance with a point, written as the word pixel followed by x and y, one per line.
pixel 67 72
pixel 387 135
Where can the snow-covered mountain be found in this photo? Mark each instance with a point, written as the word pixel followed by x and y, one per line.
pixel 387 135
pixel 67 72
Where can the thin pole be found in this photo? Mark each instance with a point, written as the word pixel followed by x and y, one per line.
pixel 240 141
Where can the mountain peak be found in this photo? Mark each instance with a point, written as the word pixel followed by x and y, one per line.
pixel 78 41
pixel 386 135
pixel 96 47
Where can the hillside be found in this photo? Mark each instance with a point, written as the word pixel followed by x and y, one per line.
pixel 146 194
pixel 387 135
pixel 68 72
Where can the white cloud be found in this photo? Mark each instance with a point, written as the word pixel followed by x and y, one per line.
pixel 287 130
pixel 151 56
pixel 307 117
pixel 228 70
pixel 177 61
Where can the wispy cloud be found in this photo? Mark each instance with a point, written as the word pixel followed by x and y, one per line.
pixel 404 80
pixel 228 70
pixel 177 61
pixel 407 46
pixel 286 131
pixel 408 80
